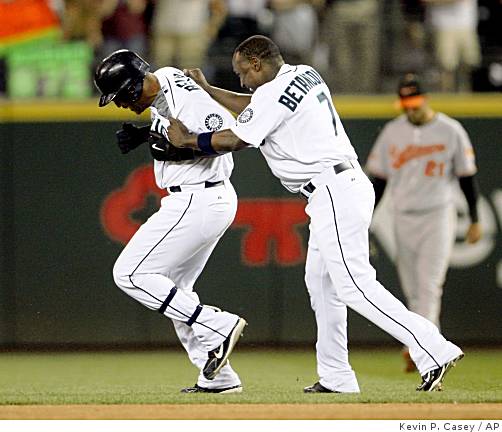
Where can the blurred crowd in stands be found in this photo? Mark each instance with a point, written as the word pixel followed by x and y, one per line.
pixel 359 46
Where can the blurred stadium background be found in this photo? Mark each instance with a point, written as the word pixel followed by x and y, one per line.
pixel 63 213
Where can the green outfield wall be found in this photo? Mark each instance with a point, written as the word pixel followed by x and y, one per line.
pixel 63 223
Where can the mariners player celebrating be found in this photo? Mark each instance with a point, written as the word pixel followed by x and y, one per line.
pixel 421 154
pixel 162 261
pixel 291 119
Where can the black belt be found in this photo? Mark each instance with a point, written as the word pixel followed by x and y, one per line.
pixel 207 185
pixel 339 168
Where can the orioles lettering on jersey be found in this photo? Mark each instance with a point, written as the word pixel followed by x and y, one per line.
pixel 299 86
pixel 411 152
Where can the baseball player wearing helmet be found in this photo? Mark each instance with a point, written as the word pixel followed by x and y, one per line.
pixel 291 119
pixel 421 156
pixel 160 264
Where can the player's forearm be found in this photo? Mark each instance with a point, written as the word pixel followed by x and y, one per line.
pixel 219 142
pixel 198 154
pixel 470 189
pixel 233 101
pixel 226 141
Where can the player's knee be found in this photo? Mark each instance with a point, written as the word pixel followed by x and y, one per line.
pixel 350 291
pixel 121 275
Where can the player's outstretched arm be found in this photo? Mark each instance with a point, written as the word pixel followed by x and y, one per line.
pixel 223 141
pixel 233 101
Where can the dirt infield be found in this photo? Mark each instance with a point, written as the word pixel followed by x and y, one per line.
pixel 254 412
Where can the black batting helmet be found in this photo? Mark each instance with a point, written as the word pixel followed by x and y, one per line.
pixel 121 74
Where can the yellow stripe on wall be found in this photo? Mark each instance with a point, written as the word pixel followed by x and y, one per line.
pixel 383 106
pixel 62 111
pixel 461 105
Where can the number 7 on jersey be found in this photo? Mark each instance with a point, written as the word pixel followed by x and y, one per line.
pixel 321 97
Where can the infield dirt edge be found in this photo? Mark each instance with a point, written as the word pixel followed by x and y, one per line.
pixel 489 411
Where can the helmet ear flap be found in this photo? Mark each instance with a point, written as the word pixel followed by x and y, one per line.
pixel 131 93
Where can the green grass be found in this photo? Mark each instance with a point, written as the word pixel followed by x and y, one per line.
pixel 268 377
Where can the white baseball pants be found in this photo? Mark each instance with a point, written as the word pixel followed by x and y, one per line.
pixel 424 243
pixel 339 274
pixel 160 264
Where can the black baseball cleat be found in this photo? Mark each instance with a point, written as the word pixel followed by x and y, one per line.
pixel 226 390
pixel 219 356
pixel 317 388
pixel 432 381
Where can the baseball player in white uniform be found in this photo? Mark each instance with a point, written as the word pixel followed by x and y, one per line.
pixel 291 119
pixel 421 155
pixel 160 264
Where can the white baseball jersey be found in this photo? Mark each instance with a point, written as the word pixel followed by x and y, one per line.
pixel 161 263
pixel 293 122
pixel 421 163
pixel 199 113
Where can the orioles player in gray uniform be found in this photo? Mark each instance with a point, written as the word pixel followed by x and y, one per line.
pixel 421 155
pixel 291 119
pixel 162 261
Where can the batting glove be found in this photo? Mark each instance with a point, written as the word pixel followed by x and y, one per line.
pixel 131 136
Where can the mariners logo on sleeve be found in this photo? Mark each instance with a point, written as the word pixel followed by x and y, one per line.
pixel 214 122
pixel 245 115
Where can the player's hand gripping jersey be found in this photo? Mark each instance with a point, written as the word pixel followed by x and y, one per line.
pixel 200 114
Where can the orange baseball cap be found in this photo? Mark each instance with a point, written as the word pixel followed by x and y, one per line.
pixel 411 92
